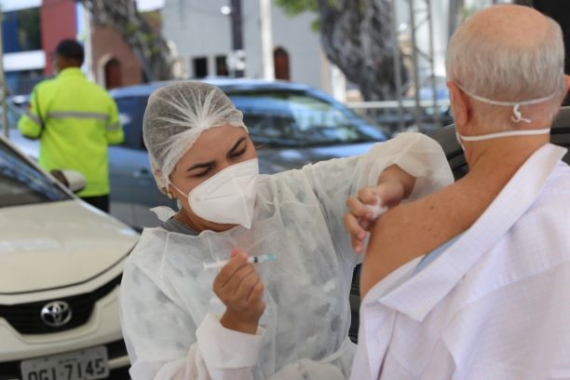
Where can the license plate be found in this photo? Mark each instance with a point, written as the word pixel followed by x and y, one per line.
pixel 87 364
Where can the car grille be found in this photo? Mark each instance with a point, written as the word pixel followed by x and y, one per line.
pixel 117 349
pixel 26 318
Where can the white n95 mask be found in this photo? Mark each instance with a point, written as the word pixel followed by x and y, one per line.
pixel 229 196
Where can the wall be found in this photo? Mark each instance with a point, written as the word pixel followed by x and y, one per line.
pixel 55 27
pixel 199 29
pixel 306 59
pixel 107 43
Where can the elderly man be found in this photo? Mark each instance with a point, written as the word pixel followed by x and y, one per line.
pixel 491 299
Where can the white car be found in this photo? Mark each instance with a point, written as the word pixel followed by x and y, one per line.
pixel 60 269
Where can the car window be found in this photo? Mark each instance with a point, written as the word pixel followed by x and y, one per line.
pixel 131 112
pixel 21 183
pixel 14 114
pixel 297 119
pixel 16 106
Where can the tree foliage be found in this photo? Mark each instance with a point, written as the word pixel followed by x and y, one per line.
pixel 148 44
pixel 356 35
pixel 295 7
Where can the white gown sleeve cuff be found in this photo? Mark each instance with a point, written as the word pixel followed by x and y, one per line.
pixel 224 348
pixel 415 153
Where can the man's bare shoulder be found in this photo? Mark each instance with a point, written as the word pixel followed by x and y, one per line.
pixel 435 218
pixel 414 229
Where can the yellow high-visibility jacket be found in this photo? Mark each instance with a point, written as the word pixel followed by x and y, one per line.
pixel 75 121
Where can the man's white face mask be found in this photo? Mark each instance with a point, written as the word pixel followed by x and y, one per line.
pixel 229 196
pixel 517 118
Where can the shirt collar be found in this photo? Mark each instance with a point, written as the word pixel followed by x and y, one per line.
pixel 70 71
pixel 420 294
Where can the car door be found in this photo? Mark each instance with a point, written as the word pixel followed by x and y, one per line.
pixel 133 189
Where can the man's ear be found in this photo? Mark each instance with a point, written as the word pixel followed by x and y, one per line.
pixel 566 84
pixel 460 107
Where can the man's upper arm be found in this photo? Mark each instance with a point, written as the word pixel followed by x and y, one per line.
pixel 30 123
pixel 114 132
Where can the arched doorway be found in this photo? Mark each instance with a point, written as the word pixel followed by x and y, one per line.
pixel 113 77
pixel 281 63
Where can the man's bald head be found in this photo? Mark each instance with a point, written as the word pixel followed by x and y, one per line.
pixel 514 26
pixel 508 53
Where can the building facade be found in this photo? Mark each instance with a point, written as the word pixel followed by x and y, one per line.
pixel 32 29
pixel 202 34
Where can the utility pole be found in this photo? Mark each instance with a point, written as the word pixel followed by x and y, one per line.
pixel 266 40
pixel 237 38
pixel 3 91
pixel 454 17
pixel 87 42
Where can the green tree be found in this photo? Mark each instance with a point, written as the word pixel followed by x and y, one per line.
pixel 356 35
pixel 148 44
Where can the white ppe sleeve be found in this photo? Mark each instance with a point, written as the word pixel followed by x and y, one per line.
pixel 228 354
pixel 160 352
pixel 334 181
pixel 415 153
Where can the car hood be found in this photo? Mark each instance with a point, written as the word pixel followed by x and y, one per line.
pixel 275 160
pixel 58 244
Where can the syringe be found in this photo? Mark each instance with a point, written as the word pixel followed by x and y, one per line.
pixel 251 260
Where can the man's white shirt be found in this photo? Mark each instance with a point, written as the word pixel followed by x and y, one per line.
pixel 494 305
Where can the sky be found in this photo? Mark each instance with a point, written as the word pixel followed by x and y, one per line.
pixel 147 5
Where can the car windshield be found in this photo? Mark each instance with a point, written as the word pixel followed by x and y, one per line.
pixel 131 113
pixel 298 119
pixel 16 107
pixel 21 183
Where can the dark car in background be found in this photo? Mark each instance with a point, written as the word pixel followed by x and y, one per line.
pixel 291 124
pixel 132 101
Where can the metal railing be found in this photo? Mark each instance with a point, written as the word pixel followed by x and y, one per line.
pixel 406 115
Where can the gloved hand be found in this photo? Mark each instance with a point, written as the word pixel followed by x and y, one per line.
pixel 367 206
pixel 239 287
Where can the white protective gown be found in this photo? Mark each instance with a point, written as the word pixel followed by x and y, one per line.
pixel 170 313
pixel 495 304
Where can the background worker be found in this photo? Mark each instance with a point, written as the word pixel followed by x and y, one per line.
pixel 75 120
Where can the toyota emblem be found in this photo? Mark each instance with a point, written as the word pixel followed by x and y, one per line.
pixel 56 314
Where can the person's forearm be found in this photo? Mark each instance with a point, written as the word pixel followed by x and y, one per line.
pixel 231 322
pixel 28 128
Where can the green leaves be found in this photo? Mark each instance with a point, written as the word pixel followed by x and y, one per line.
pixel 296 7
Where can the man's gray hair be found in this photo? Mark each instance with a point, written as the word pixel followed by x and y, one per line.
pixel 503 71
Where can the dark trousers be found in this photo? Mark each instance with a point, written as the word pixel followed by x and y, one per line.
pixel 101 202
